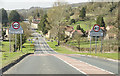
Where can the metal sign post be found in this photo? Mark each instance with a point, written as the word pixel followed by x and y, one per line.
pixel 16 29
pixel 101 44
pixel 15 42
pixel 21 41
pixel 10 42
pixel 95 44
pixel 96 32
pixel 90 44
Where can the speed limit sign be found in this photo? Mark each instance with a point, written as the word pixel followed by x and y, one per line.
pixel 96 28
pixel 16 25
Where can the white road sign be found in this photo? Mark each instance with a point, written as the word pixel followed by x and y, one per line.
pixel 96 31
pixel 15 28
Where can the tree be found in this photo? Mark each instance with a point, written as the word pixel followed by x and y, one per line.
pixel 26 34
pixel 3 33
pixel 38 15
pixel 77 37
pixel 23 40
pixel 14 16
pixel 83 13
pixel 78 27
pixel 72 21
pixel 4 17
pixel 56 16
pixel 43 25
pixel 30 19
pixel 100 21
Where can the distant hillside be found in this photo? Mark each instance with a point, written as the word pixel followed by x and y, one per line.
pixel 109 10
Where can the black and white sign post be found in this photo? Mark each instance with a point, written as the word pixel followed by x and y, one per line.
pixel 15 29
pixel 96 32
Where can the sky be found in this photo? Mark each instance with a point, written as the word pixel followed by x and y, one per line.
pixel 26 4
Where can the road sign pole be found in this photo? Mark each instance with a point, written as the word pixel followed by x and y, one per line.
pixel 90 44
pixel 101 44
pixel 15 42
pixel 21 41
pixel 95 44
pixel 10 42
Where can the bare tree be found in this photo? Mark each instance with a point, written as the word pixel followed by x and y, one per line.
pixel 56 16
pixel 77 37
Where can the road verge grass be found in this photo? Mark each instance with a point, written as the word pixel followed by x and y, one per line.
pixel 9 57
pixel 64 50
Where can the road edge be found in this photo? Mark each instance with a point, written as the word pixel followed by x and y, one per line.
pixel 5 68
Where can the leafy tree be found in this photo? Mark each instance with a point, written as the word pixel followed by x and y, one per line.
pixel 38 15
pixel 43 24
pixel 72 21
pixel 78 27
pixel 72 14
pixel 83 13
pixel 100 21
pixel 14 16
pixel 3 33
pixel 4 17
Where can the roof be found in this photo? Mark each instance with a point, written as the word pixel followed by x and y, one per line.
pixel 111 34
pixel 78 31
pixel 103 28
pixel 69 28
pixel 111 26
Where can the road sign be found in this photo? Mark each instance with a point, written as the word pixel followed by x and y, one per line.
pixel 96 28
pixel 96 31
pixel 15 28
pixel 16 25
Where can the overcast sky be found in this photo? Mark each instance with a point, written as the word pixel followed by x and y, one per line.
pixel 20 4
pixel 26 4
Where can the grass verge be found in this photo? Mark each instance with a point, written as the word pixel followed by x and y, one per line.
pixel 8 57
pixel 64 50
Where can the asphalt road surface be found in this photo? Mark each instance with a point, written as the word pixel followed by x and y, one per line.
pixel 43 61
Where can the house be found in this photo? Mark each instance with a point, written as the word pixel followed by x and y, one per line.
pixel 109 27
pixel 68 30
pixel 48 34
pixel 34 25
pixel 111 32
pixel 78 32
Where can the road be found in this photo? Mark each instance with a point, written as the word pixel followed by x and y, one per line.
pixel 41 62
pixel 46 61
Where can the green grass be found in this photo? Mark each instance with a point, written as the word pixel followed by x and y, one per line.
pixel 83 44
pixel 84 24
pixel 8 57
pixel 64 50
